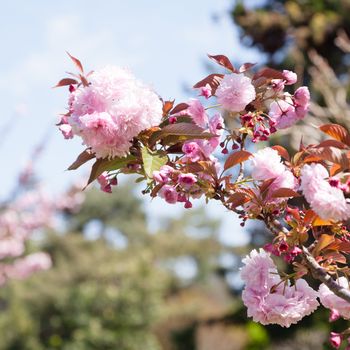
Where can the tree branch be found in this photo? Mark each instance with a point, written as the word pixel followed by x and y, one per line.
pixel 321 274
pixel 317 271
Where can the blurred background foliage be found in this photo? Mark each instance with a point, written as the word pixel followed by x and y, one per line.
pixel 119 283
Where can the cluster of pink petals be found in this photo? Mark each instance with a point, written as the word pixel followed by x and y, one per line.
pixel 111 111
pixel 235 92
pixel 333 302
pixel 267 164
pixel 268 299
pixel 287 110
pixel 176 186
pixel 203 149
pixel 327 201
pixel 24 267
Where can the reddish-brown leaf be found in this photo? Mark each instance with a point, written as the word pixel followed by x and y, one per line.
pixel 76 62
pixel 179 108
pixel 213 80
pixel 336 131
pixel 268 73
pixel 65 82
pixel 344 247
pixel 335 169
pixel 167 106
pixel 82 159
pixel 222 60
pixel 322 243
pixel 237 199
pixel 282 152
pixel 285 193
pixel 332 143
pixel 246 66
pixel 236 158
pixel 331 154
pixel 265 186
pixel 309 217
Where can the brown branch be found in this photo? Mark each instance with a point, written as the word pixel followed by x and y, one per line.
pixel 321 274
pixel 317 271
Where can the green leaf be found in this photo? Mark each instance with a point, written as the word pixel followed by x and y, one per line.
pixel 105 164
pixel 152 161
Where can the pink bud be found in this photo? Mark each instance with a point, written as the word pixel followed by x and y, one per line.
pixel 335 339
pixel 334 315
pixel 188 205
pixel 289 77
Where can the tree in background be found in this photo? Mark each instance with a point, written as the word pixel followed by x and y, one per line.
pixel 287 30
pixel 311 38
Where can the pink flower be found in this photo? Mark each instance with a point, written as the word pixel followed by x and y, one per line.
pixel 23 268
pixel 192 151
pixel 301 101
pixel 335 339
pixel 282 112
pixel 169 194
pixel 259 271
pixel 235 92
pixel 327 201
pixel 197 113
pixel 290 77
pixel 333 302
pixel 206 91
pixel 267 164
pixel 268 299
pixel 163 175
pixel 302 96
pixel 104 182
pixel 112 110
pixel 66 130
pixel 187 180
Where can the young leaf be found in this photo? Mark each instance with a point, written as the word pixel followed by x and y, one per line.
pixel 182 131
pixel 236 158
pixel 65 82
pixel 268 73
pixel 285 193
pixel 222 60
pixel 179 108
pixel 336 131
pixel 213 80
pixel 152 161
pixel 82 159
pixel 76 62
pixel 323 242
pixel 237 199
pixel 167 106
pixel 282 152
pixel 246 66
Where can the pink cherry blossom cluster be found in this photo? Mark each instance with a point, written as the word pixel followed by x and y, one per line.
pixel 31 212
pixel 110 111
pixel 303 198
pixel 271 300
pixel 324 198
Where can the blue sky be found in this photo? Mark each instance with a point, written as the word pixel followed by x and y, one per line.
pixel 163 42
